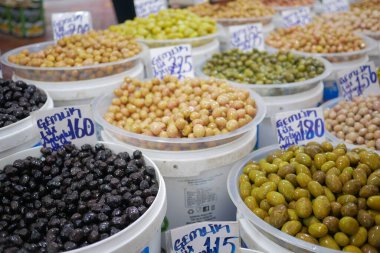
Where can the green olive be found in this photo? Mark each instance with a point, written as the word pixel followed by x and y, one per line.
pixel 319 160
pixel 342 239
pixel 245 189
pixel 332 224
pixel 352 248
pixel 352 187
pixel 251 202
pixel 333 183
pixel 292 214
pixel 348 225
pixel 306 238
pixel 368 190
pixel 373 202
pixel 328 242
pixel 349 209
pixel 327 166
pixel 369 249
pixel 321 207
pixel 318 230
pixel 291 227
pixel 315 188
pixel 275 198
pixel 304 207
pixel 374 236
pixel 304 159
pixel 342 162
pixel 299 193
pixel 286 170
pixel 303 179
pixel 287 189
pixel 359 238
pixel 278 216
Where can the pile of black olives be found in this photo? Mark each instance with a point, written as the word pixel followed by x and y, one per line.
pixel 72 197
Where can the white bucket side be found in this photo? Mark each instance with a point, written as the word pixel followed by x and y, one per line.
pixel 200 54
pixel 266 131
pixel 255 240
pixel 196 180
pixel 21 132
pixel 82 92
pixel 141 236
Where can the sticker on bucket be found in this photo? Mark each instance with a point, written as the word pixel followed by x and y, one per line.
pixel 63 125
pixel 335 5
pixel 205 237
pixel 300 127
pixel 144 8
pixel 360 81
pixel 69 23
pixel 247 37
pixel 298 16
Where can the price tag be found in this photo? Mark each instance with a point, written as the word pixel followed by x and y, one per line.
pixel 175 61
pixel 199 1
pixel 360 81
pixel 247 37
pixel 144 8
pixel 65 125
pixel 299 16
pixel 206 237
pixel 335 5
pixel 300 127
pixel 69 23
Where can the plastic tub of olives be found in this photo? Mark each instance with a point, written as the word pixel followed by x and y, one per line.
pixel 100 106
pixel 65 74
pixel 277 236
pixel 333 138
pixel 264 20
pixel 269 90
pixel 194 42
pixel 370 44
pixel 287 8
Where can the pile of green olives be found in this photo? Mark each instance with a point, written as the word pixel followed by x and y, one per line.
pixel 261 67
pixel 325 195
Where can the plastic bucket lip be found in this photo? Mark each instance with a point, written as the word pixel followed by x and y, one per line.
pixel 333 138
pixel 261 225
pixel 263 87
pixel 370 45
pixel 43 45
pixel 152 210
pixel 261 111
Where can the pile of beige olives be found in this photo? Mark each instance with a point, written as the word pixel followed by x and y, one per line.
pixel 318 193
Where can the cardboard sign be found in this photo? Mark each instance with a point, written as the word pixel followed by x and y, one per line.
pixel 361 81
pixel 247 37
pixel 69 23
pixel 144 8
pixel 300 127
pixel 335 5
pixel 174 61
pixel 206 237
pixel 299 16
pixel 65 125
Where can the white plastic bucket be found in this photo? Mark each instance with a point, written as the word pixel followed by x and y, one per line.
pixel 266 131
pixel 249 251
pixel 200 54
pixel 20 135
pixel 144 235
pixel 196 180
pixel 82 92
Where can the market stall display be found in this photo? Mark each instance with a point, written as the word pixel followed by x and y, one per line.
pixel 367 4
pixel 354 122
pixel 281 5
pixel 230 13
pixel 17 101
pixel 96 198
pixel 312 195
pixel 202 139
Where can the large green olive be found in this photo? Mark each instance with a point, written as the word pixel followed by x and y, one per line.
pixel 318 230
pixel 315 188
pixel 329 242
pixel 342 239
pixel 359 238
pixel 374 236
pixel 368 190
pixel 352 187
pixel 291 227
pixel 321 207
pixel 306 238
pixel 287 189
pixel 304 207
pixel 333 183
pixel 373 202
pixel 348 225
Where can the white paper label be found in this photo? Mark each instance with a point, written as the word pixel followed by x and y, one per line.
pixel 300 127
pixel 65 125
pixel 299 16
pixel 335 5
pixel 360 81
pixel 69 23
pixel 174 61
pixel 206 237
pixel 199 1
pixel 144 8
pixel 247 37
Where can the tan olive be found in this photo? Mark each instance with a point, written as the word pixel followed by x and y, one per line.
pixel 304 207
pixel 348 225
pixel 333 183
pixel 332 224
pixel 278 216
pixel 312 150
pixel 292 227
pixel 329 242
pixel 342 239
pixel 349 209
pixel 351 248
pixel 352 187
pixel 321 207
pixel 307 238
pixel 374 236
pixel 315 188
pixel 365 219
pixel 335 208
pixel 287 189
pixel 318 230
pixel 373 202
pixel 319 176
pixel 275 198
pixel 359 238
pixel 368 190
pixel 369 249
pixel 362 203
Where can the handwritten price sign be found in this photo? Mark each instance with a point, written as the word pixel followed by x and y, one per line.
pixel 360 81
pixel 335 5
pixel 69 23
pixel 65 125
pixel 299 16
pixel 247 37
pixel 144 8
pixel 175 61
pixel 206 237
pixel 300 127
